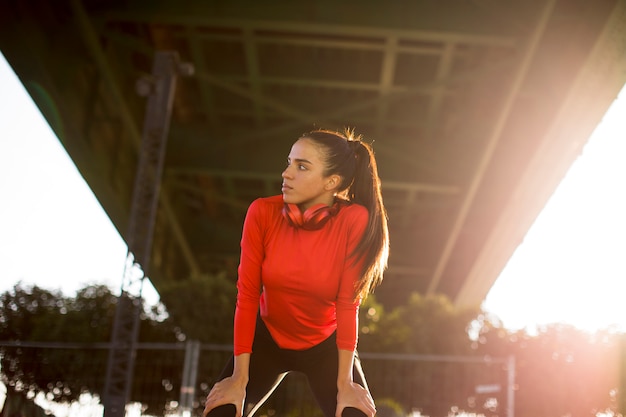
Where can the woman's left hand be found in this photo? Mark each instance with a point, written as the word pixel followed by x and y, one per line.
pixel 354 395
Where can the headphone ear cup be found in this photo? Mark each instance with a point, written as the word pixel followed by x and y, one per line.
pixel 293 215
pixel 312 219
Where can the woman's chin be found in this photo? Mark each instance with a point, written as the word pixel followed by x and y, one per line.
pixel 288 200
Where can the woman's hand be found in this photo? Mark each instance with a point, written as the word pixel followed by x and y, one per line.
pixel 351 394
pixel 229 390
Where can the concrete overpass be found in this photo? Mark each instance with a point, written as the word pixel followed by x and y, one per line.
pixel 476 109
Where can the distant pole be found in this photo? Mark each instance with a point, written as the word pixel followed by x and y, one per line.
pixel 190 374
pixel 621 393
pixel 510 387
pixel 159 87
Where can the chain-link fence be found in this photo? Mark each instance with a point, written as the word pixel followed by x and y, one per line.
pixel 173 379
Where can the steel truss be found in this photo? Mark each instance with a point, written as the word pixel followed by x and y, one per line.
pixel 159 88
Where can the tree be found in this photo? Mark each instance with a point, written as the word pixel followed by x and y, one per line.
pixel 425 325
pixel 34 314
pixel 561 370
pixel 64 372
pixel 202 306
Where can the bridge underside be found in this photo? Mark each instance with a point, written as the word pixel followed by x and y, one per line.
pixel 476 110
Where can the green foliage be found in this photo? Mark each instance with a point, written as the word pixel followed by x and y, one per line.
pixel 29 314
pixel 425 325
pixel 32 314
pixel 203 307
pixel 370 314
pixel 559 371
pixel 200 308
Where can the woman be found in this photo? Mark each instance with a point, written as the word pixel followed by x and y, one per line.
pixel 308 258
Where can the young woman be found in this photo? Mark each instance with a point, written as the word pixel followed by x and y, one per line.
pixel 308 259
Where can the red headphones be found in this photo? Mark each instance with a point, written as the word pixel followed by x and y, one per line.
pixel 313 218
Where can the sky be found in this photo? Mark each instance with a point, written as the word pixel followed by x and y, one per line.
pixel 570 268
pixel 53 231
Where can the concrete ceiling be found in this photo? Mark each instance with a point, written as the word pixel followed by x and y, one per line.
pixel 476 108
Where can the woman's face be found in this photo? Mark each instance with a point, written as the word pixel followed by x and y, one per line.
pixel 304 182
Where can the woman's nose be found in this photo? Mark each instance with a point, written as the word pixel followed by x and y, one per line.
pixel 286 173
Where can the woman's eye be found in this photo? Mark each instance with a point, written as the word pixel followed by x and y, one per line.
pixel 299 167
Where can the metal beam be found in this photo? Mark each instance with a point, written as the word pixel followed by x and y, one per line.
pixel 388 185
pixel 364 104
pixel 312 28
pixel 197 189
pixel 253 74
pixel 492 142
pixel 599 81
pixel 443 72
pixel 438 88
pixel 336 84
pixel 205 91
pixel 257 98
pixel 385 84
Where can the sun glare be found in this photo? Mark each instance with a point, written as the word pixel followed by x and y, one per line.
pixel 571 266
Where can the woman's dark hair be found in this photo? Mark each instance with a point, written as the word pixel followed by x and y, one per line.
pixel 346 155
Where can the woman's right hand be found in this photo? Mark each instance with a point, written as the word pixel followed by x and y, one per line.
pixel 228 391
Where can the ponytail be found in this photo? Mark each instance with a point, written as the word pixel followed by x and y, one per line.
pixel 351 158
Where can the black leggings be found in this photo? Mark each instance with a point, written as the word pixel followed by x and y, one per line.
pixel 269 364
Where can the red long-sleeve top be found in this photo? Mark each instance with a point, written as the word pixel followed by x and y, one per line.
pixel 302 280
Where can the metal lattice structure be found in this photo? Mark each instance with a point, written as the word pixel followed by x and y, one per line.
pixel 159 87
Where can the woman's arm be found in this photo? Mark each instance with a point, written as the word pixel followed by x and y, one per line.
pixel 231 390
pixel 349 393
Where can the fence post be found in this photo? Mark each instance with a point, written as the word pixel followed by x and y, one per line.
pixel 510 387
pixel 621 390
pixel 190 372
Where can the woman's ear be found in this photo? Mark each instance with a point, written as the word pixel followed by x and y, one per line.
pixel 333 182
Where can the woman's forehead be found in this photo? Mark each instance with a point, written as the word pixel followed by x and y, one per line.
pixel 305 148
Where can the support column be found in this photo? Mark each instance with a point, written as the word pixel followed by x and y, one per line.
pixel 159 87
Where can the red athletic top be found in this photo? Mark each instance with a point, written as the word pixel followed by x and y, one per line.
pixel 303 280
